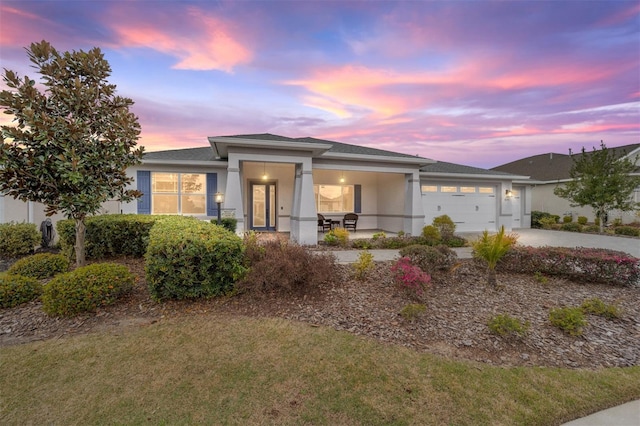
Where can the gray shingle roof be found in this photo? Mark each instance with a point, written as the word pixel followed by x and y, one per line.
pixel 552 166
pixel 444 167
pixel 187 154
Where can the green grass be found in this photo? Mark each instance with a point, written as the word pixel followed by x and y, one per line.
pixel 226 370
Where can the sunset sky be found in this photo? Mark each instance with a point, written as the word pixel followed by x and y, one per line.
pixel 479 83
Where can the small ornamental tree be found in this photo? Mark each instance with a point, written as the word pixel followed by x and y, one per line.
pixel 69 146
pixel 601 180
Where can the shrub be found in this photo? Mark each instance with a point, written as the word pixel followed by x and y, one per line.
pixel 363 265
pixel 189 258
pixel 362 244
pixel 410 278
pixel 582 220
pixel 569 320
pixel 431 235
pixel 342 235
pixel 627 230
pixel 571 227
pixel 617 222
pixel 18 239
pixel 41 265
pixel 491 248
pixel 286 266
pixel 536 216
pixel 379 235
pixel 540 278
pixel 109 235
pixel 455 241
pixel 413 311
pixel 331 239
pixel 583 264
pixel 596 306
pixel 228 223
pixel 445 225
pixel 17 289
pixel 505 325
pixel 430 259
pixel 548 222
pixel 393 242
pixel 567 219
pixel 86 288
pixel 591 229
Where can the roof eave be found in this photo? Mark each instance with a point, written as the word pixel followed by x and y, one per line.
pixel 222 163
pixel 220 145
pixel 420 161
pixel 475 176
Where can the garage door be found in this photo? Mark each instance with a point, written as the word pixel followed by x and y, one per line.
pixel 472 208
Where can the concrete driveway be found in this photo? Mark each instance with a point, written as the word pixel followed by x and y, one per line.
pixel 543 237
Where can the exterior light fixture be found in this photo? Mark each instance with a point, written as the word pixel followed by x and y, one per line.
pixel 508 193
pixel 264 171
pixel 342 177
pixel 219 199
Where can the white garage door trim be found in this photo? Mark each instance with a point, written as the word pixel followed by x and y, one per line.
pixel 472 207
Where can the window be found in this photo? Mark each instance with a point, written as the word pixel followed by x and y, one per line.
pixel 448 189
pixel 486 190
pixel 468 189
pixel 429 188
pixel 178 193
pixel 334 198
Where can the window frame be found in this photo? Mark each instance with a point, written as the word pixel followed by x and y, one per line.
pixel 179 193
pixel 341 197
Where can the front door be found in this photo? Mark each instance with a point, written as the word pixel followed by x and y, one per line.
pixel 263 206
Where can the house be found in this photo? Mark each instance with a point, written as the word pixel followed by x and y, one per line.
pixel 277 183
pixel 548 171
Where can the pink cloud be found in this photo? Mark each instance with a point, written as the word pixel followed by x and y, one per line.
pixel 199 41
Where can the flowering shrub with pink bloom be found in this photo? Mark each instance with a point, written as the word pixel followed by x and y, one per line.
pixel 581 264
pixel 410 278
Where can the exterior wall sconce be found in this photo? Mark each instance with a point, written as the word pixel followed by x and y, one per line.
pixel 342 177
pixel 508 194
pixel 264 171
pixel 219 199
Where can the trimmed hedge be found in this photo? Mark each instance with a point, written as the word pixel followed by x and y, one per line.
pixel 17 289
pixel 109 235
pixel 583 264
pixel 41 265
pixel 627 230
pixel 86 288
pixel 18 239
pixel 188 258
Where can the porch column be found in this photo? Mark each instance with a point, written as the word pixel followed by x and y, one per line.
pixel 233 193
pixel 413 211
pixel 304 219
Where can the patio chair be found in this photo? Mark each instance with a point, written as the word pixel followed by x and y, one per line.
pixel 323 224
pixel 350 221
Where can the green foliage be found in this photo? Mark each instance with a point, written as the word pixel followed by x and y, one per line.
pixel 228 223
pixel 627 230
pixel 537 216
pixel 431 235
pixel 445 225
pixel 596 306
pixel 18 239
pixel 17 289
pixel 280 265
pixel 601 180
pixel 413 311
pixel 569 320
pixel 506 325
pixel 337 236
pixel 362 244
pixel 582 220
pixel 188 258
pixel 594 229
pixel 579 263
pixel 491 248
pixel 567 219
pixel 363 265
pixel 540 278
pixel 430 259
pixel 379 235
pixel 548 222
pixel 571 227
pixel 86 288
pixel 109 235
pixel 41 265
pixel 455 241
pixel 74 141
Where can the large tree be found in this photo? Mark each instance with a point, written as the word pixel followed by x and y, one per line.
pixel 70 144
pixel 602 180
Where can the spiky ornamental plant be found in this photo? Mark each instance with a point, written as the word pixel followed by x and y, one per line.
pixel 491 248
pixel 601 180
pixel 70 145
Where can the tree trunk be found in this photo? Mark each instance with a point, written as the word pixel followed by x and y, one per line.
pixel 491 277
pixel 80 251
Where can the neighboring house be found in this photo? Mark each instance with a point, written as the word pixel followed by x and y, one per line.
pixel 548 171
pixel 276 183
